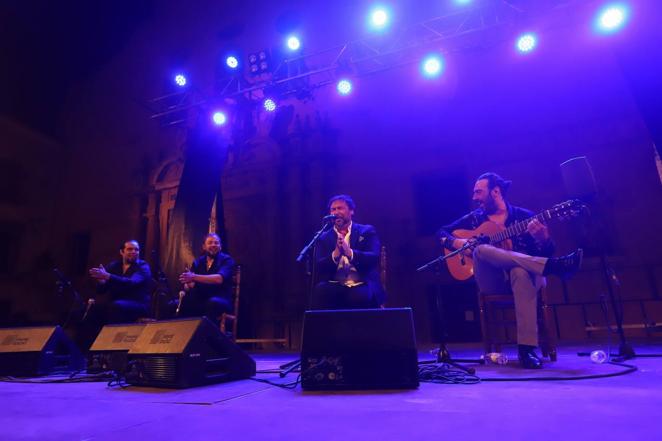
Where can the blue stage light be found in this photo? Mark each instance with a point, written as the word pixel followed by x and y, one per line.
pixel 219 118
pixel 432 66
pixel 180 80
pixel 379 18
pixel 462 2
pixel 232 62
pixel 269 105
pixel 526 43
pixel 293 43
pixel 612 18
pixel 344 87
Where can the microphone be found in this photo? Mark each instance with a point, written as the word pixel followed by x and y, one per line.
pixel 90 303
pixel 330 217
pixel 60 277
pixel 182 293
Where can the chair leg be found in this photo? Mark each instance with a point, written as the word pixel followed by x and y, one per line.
pixel 487 342
pixel 223 320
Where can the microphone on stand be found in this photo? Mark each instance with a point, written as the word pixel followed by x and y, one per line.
pixel 330 217
pixel 182 293
pixel 90 303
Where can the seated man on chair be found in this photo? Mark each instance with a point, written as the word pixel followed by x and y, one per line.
pixel 348 262
pixel 126 282
pixel 520 270
pixel 122 294
pixel 208 284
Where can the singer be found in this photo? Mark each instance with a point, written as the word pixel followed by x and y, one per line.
pixel 208 284
pixel 348 262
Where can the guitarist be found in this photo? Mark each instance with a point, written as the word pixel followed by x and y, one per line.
pixel 520 270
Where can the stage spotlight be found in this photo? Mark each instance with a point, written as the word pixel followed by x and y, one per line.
pixel 232 62
pixel 293 43
pixel 379 18
pixel 269 105
pixel 611 18
pixel 259 63
pixel 344 87
pixel 462 2
pixel 432 66
pixel 180 80
pixel 526 43
pixel 219 118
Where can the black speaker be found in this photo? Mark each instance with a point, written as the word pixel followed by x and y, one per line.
pixel 578 178
pixel 185 353
pixel 109 350
pixel 29 352
pixel 359 349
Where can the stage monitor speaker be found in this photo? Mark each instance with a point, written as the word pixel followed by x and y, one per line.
pixel 109 350
pixel 186 353
pixel 30 352
pixel 359 349
pixel 578 178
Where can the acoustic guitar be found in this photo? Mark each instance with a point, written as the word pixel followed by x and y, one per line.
pixel 461 266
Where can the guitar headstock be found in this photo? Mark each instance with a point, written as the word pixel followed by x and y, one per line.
pixel 567 210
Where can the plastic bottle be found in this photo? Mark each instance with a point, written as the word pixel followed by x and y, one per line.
pixel 598 357
pixel 496 358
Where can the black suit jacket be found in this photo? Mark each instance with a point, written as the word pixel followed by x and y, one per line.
pixel 132 285
pixel 365 244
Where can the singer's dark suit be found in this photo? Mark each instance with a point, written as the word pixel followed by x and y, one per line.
pixel 366 248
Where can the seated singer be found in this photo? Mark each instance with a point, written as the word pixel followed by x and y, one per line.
pixel 208 284
pixel 348 262
pixel 521 270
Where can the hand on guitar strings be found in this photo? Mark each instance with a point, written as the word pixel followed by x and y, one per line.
pixel 538 231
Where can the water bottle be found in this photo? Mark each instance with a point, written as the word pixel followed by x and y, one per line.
pixel 496 358
pixel 598 357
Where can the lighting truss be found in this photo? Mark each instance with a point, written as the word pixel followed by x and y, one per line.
pixel 472 27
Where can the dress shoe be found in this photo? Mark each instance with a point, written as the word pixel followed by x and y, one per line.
pixel 564 266
pixel 528 358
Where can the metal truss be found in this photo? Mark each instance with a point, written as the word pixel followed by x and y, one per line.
pixel 463 28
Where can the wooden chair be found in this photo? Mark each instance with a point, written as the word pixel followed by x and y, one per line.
pixel 233 318
pixel 230 321
pixel 382 270
pixel 490 305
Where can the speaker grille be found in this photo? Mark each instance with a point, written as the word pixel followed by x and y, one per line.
pixel 160 369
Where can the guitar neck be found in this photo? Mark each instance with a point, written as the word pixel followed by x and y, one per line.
pixel 518 227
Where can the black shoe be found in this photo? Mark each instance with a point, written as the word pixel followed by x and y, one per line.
pixel 564 266
pixel 528 358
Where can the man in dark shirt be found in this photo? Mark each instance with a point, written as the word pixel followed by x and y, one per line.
pixel 520 270
pixel 126 284
pixel 208 284
pixel 348 262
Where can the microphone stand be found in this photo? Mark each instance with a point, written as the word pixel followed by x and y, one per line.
pixel 443 355
pixel 307 248
pixel 312 265
pixel 61 283
pixel 444 257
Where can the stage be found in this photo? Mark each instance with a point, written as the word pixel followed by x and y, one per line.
pixel 618 407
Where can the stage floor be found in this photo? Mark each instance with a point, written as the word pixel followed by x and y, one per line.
pixel 622 407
